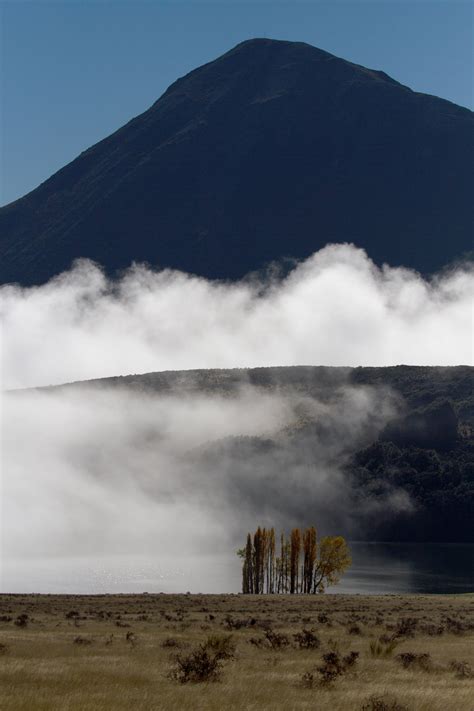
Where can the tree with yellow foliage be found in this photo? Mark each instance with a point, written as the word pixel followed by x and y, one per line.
pixel 263 572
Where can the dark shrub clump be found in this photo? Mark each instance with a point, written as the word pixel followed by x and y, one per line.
pixel 204 664
pixel 307 639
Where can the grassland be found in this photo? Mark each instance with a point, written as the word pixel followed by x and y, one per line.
pixel 117 651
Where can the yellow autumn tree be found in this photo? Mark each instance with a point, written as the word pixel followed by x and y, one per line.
pixel 334 558
pixel 322 565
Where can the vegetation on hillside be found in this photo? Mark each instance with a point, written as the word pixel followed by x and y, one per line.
pixel 425 454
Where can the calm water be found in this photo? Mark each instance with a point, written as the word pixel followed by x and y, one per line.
pixel 376 568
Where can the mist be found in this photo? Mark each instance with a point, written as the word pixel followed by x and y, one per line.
pixel 335 308
pixel 95 473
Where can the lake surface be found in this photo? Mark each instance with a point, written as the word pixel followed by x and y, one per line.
pixel 377 568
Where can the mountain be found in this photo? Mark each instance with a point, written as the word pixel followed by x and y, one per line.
pixel 270 151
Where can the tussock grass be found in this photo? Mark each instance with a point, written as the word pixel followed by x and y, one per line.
pixel 128 665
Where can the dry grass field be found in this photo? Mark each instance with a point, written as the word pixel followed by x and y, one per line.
pixel 117 652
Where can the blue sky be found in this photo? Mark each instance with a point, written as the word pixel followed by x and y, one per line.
pixel 74 71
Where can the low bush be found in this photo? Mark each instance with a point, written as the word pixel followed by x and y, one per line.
pixel 333 667
pixel 22 620
pixel 383 647
pixel 203 664
pixel 236 624
pixel 462 670
pixel 277 640
pixel 198 666
pixel 382 703
pixel 170 642
pixel 221 646
pixel 455 626
pixel 307 639
pixel 71 615
pixel 406 627
pixel 410 660
pixel 271 640
pixel 82 640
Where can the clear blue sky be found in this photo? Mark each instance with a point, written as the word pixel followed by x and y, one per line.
pixel 74 71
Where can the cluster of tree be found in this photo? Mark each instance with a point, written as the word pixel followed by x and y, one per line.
pixel 302 565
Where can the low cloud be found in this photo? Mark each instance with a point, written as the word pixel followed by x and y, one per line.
pixel 94 471
pixel 335 308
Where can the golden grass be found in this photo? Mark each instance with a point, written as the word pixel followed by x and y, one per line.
pixel 43 668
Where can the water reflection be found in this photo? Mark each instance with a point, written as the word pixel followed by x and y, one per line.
pixel 410 567
pixel 377 568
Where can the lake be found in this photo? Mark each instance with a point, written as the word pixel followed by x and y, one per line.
pixel 377 568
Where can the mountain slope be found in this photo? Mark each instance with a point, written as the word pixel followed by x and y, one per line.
pixel 424 453
pixel 418 386
pixel 271 151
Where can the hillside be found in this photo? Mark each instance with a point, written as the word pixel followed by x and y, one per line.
pixel 419 386
pixel 422 454
pixel 269 152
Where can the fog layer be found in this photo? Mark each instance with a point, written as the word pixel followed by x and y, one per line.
pixel 109 471
pixel 336 308
pixel 97 472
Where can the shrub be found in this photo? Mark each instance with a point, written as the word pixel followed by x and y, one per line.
pixel 382 703
pixel 306 639
pixel 198 666
pixel 235 624
pixel 204 663
pixel 71 615
pixel 406 627
pixel 3 648
pixel 222 647
pixel 272 640
pixel 276 639
pixel 260 642
pixel 432 630
pixel 455 626
pixel 308 680
pixel 462 670
pixel 82 640
pixel 170 642
pixel 350 659
pixel 21 620
pixel 410 660
pixel 382 647
pixel 335 666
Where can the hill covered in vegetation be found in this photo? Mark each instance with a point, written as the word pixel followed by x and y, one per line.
pixel 406 475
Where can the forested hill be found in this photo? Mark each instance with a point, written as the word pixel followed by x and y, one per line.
pixel 270 151
pixel 424 453
pixel 419 386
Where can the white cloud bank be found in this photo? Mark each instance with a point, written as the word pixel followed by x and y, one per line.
pixel 92 474
pixel 335 308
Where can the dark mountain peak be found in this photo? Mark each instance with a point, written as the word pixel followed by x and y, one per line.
pixel 272 150
pixel 263 46
pixel 290 65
